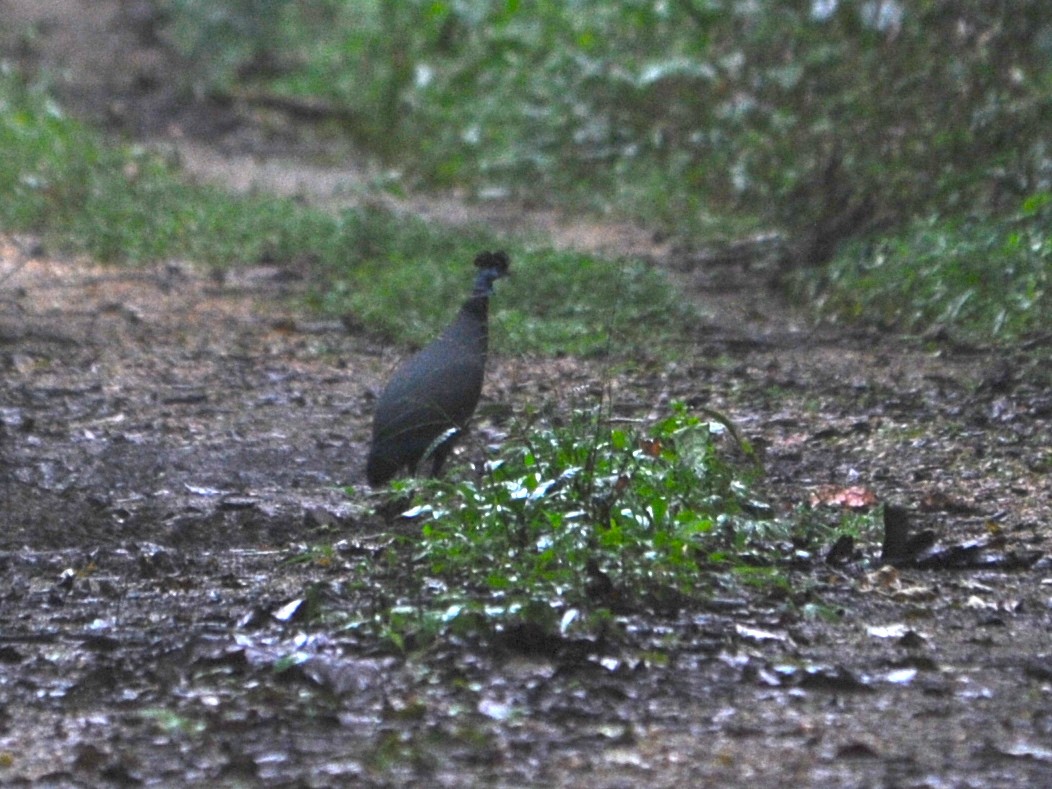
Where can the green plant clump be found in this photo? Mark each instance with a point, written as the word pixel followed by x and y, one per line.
pixel 982 279
pixel 592 517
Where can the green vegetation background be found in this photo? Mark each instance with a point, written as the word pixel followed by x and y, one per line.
pixel 901 149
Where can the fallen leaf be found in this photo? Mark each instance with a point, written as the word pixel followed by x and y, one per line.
pixel 896 630
pixel 853 498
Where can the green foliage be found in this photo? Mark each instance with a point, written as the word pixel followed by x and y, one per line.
pixel 571 523
pixel 572 528
pixel 668 107
pixel 829 120
pixel 981 278
pixel 231 39
pixel 57 178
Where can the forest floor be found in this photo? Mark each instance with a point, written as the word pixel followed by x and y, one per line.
pixel 169 437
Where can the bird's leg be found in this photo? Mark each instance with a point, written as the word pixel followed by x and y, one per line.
pixel 439 459
pixel 441 453
pixel 439 449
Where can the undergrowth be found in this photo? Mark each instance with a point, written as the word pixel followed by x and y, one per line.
pixel 570 526
pixel 980 279
pixel 708 120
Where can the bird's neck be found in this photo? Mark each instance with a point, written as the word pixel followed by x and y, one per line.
pixel 484 282
pixel 471 326
pixel 477 306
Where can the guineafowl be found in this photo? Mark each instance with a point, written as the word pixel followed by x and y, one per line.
pixel 431 396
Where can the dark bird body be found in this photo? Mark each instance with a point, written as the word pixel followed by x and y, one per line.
pixel 433 394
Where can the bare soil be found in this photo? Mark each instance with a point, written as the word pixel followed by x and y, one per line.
pixel 169 440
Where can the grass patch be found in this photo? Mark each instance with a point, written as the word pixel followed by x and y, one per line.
pixel 397 276
pixel 125 204
pixel 554 302
pixel 982 278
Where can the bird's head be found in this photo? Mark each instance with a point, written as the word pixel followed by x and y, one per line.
pixel 492 266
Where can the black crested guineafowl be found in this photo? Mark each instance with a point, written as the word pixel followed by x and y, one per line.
pixel 431 396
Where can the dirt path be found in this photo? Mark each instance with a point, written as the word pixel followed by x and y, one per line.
pixel 165 436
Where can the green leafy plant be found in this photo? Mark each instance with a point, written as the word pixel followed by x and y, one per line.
pixel 983 278
pixel 569 522
pixel 570 527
